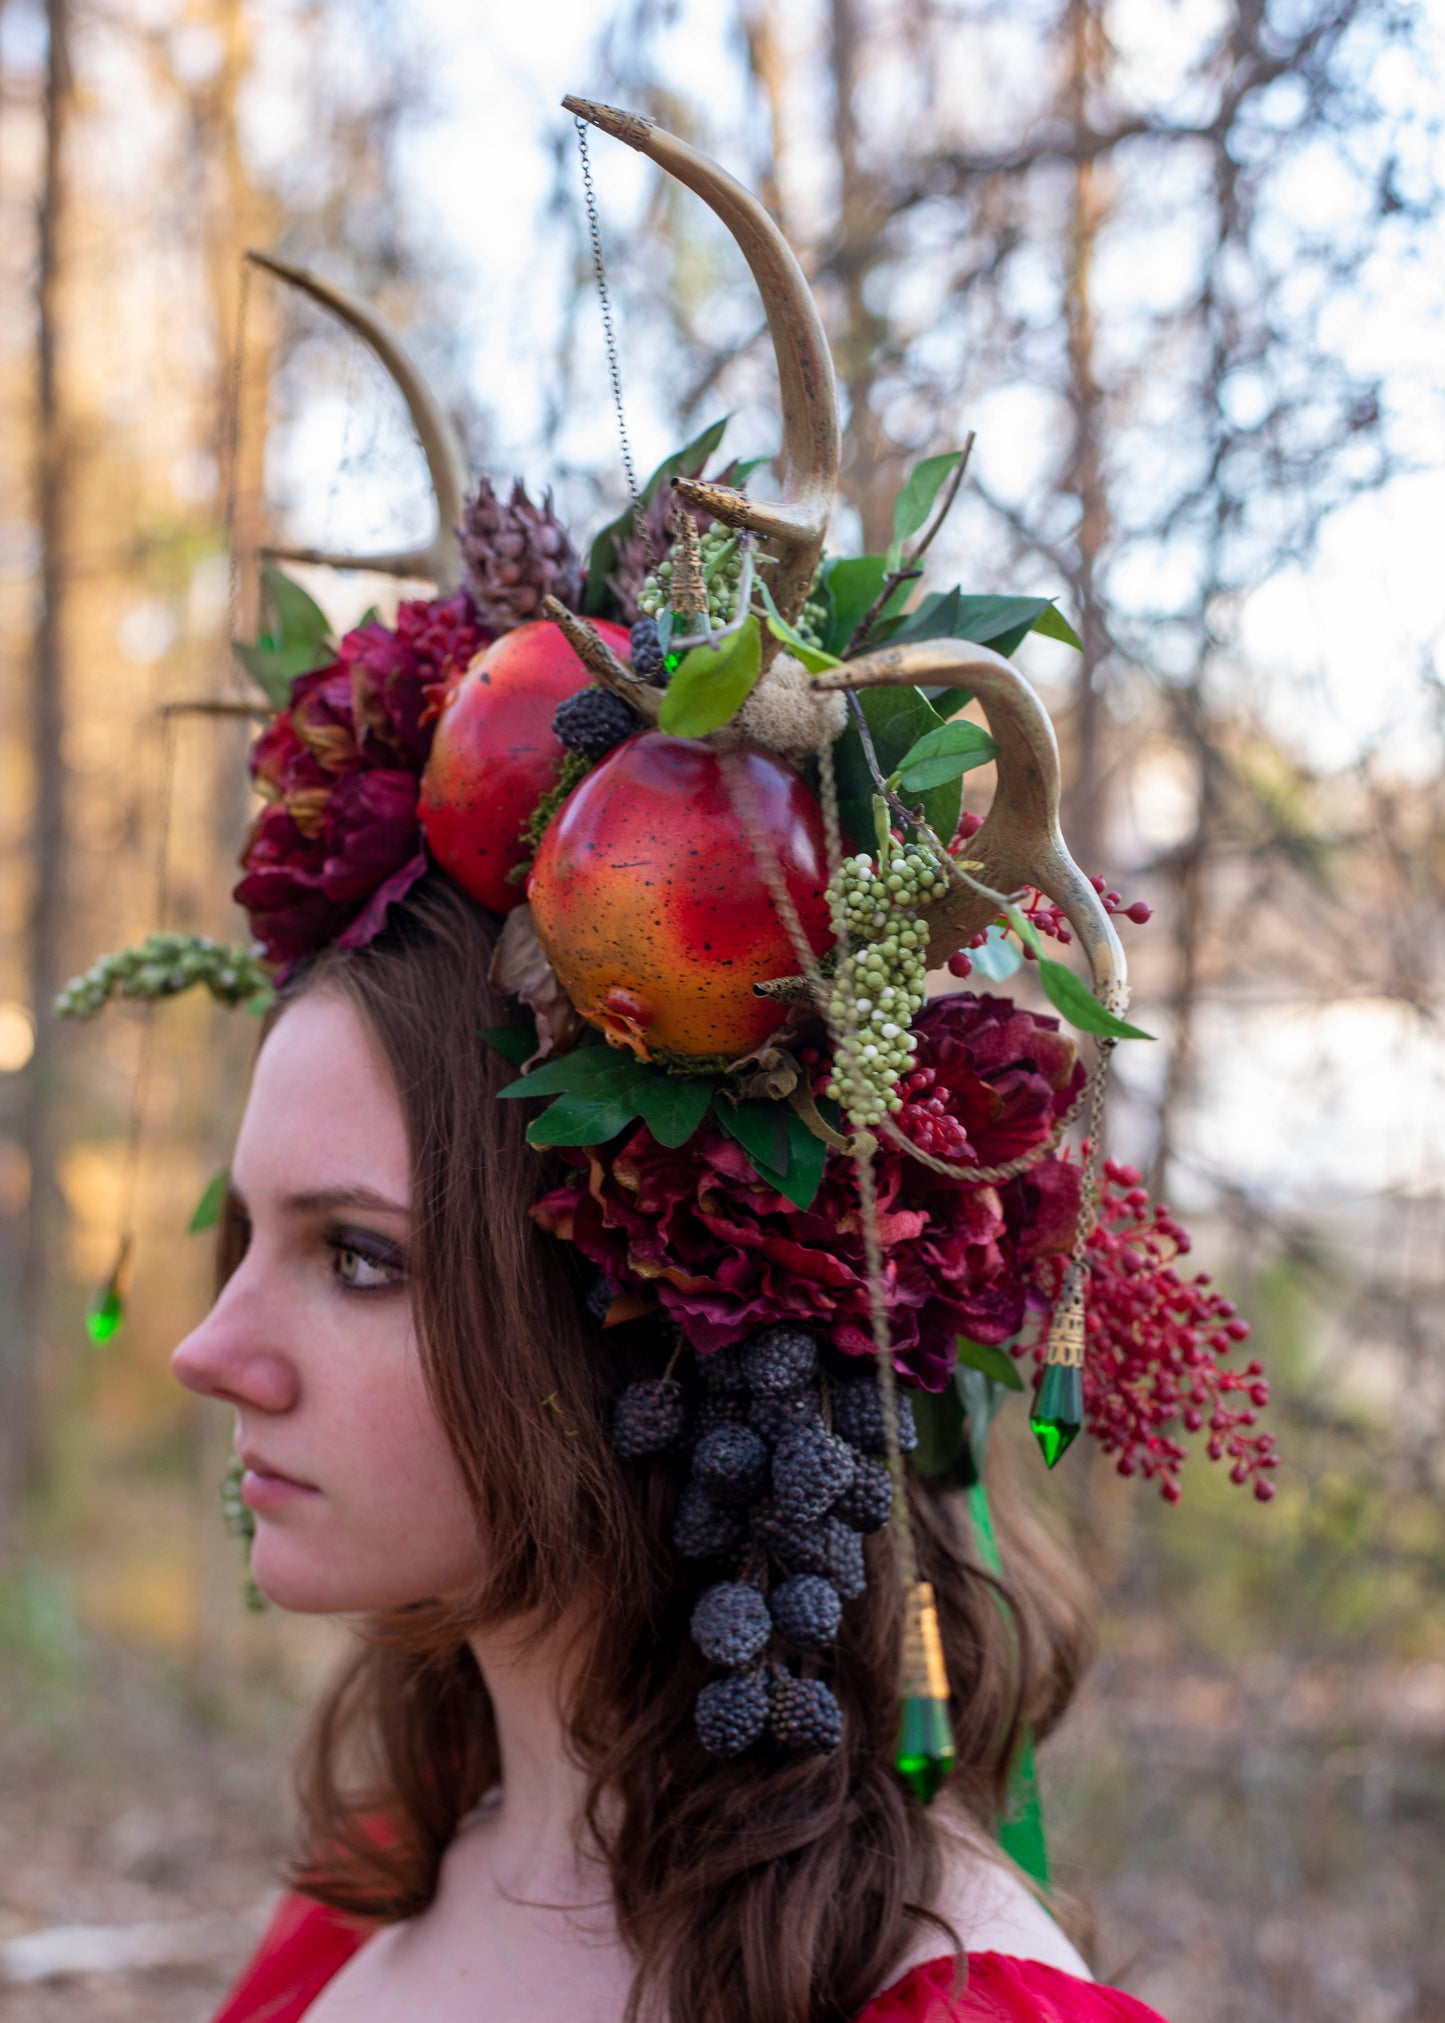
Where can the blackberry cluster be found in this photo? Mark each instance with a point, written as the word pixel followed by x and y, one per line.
pixel 649 1418
pixel 731 1624
pixel 731 1713
pixel 591 722
pixel 783 1484
pixel 802 1713
pixel 648 659
pixel 858 1415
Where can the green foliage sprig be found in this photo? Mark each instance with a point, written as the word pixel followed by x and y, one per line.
pixel 298 643
pixel 598 1091
pixel 164 965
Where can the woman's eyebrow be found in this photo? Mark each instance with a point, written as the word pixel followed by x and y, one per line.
pixel 317 1200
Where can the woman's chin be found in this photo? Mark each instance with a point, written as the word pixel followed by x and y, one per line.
pixel 301 1582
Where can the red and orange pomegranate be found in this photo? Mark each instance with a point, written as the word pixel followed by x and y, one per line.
pixel 649 903
pixel 494 755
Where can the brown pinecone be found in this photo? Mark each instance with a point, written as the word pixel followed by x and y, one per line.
pixel 514 555
pixel 631 568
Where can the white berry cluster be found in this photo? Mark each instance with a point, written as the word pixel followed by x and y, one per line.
pixel 722 568
pixel 881 984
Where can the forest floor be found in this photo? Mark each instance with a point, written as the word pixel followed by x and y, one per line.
pixel 1253 1847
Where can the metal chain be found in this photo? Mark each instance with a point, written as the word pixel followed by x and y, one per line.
pixel 639 517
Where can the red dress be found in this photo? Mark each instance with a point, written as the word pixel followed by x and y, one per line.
pixel 306 1944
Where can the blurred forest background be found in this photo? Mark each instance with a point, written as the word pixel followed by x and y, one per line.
pixel 1182 268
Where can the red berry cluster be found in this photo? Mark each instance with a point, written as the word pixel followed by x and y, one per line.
pixel 1049 919
pixel 1156 1345
pixel 926 1118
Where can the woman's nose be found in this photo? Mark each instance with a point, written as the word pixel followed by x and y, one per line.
pixel 228 1357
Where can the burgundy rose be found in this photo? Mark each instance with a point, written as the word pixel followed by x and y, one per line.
pixel 341 768
pixel 724 1254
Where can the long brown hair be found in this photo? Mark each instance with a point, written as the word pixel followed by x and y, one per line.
pixel 759 1887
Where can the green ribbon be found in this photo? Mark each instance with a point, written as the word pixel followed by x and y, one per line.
pixel 1021 1825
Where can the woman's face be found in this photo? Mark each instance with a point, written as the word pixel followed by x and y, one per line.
pixel 358 1500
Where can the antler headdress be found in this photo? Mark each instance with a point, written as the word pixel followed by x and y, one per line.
pixel 727 857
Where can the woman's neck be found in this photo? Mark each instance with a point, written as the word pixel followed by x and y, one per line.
pixel 536 1837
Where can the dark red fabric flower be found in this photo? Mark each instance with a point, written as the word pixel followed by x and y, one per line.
pixel 340 768
pixel 725 1254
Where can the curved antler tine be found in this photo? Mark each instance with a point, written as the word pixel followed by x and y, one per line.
pixel 1020 842
pixel 794 527
pixel 440 558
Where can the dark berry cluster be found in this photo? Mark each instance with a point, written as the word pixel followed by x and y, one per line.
pixel 786 1477
pixel 648 658
pixel 593 721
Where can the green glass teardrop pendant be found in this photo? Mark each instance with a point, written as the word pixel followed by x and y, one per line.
pixel 925 1745
pixel 1058 1410
pixel 106 1310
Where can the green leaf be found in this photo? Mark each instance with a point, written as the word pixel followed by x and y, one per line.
pixel 1069 994
pixel 516 1044
pixel 915 502
pixel 673 1106
pixel 994 1362
pixel 745 466
pixel 999 956
pixel 897 718
pixel 584 1070
pixel 997 622
pixel 1054 625
pixel 712 684
pixel 982 1401
pixel 945 754
pixel 812 657
pixel 602 558
pixel 582 1120
pixel 939 1417
pixel 807 1156
pixel 299 618
pixel 264 665
pixel 761 1128
pixel 852 584
pixel 1024 928
pixel 207 1211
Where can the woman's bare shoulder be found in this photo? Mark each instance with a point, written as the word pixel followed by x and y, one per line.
pixel 992 1909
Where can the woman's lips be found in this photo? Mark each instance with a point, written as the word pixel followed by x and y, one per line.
pixel 263 1487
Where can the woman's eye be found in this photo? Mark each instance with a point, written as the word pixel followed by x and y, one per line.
pixel 363 1273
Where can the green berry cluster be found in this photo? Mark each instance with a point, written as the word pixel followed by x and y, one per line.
pixel 722 569
pixel 813 619
pixel 882 983
pixel 163 965
pixel 239 1519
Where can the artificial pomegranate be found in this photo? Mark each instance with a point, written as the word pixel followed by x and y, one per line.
pixel 494 755
pixel 648 900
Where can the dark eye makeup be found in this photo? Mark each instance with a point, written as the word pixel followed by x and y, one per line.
pixel 363 1262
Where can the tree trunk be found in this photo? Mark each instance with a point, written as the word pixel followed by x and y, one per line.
pixel 872 462
pixel 25 1334
pixel 1084 479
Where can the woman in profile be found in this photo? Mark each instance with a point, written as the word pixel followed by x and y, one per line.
pixel 509 1813
pixel 597 1422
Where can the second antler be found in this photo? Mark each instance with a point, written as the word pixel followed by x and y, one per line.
pixel 1020 842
